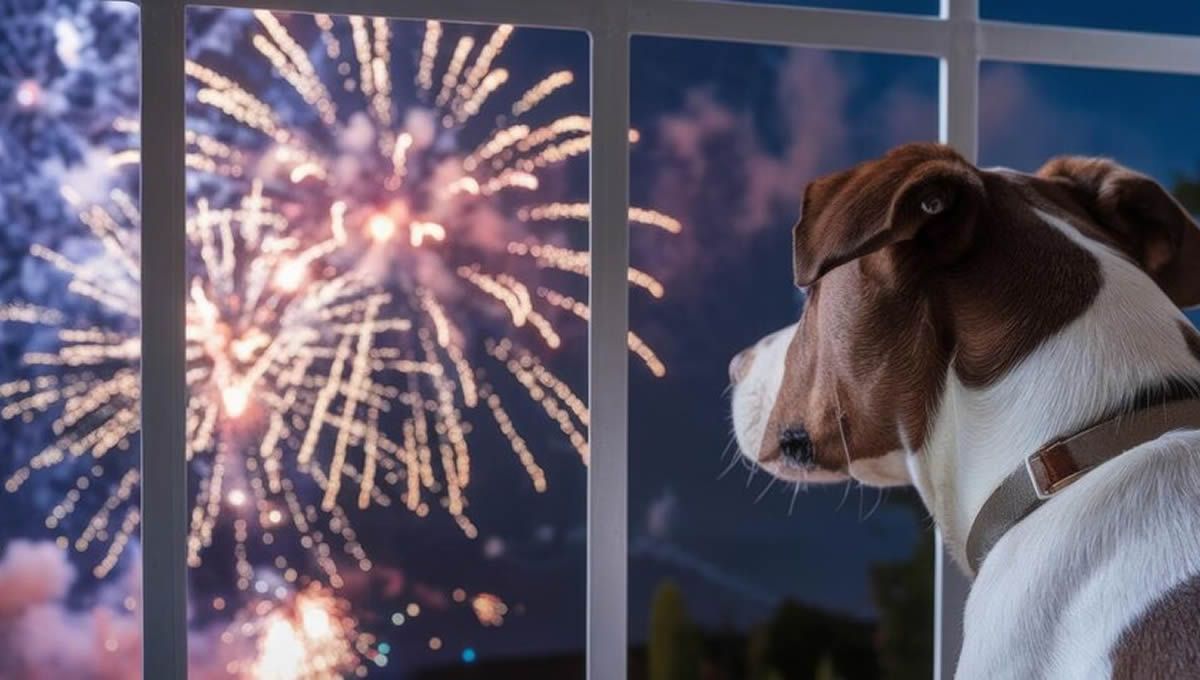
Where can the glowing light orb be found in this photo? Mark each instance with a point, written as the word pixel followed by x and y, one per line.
pixel 314 619
pixel 28 94
pixel 237 498
pixel 235 399
pixel 282 654
pixel 381 227
pixel 291 276
pixel 489 609
pixel 246 347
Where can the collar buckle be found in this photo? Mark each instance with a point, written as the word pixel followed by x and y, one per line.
pixel 1052 469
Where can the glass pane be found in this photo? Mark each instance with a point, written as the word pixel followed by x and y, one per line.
pixel 69 335
pixel 894 6
pixel 733 575
pixel 387 427
pixel 1032 113
pixel 1160 16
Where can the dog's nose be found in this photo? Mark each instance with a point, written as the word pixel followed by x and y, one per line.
pixel 739 365
pixel 796 445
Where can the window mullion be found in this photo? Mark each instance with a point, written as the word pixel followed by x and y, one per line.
pixel 958 125
pixel 608 374
pixel 164 391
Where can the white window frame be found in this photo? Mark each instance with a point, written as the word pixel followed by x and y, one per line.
pixel 958 38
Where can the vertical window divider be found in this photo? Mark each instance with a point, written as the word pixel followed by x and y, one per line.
pixel 608 361
pixel 958 126
pixel 163 383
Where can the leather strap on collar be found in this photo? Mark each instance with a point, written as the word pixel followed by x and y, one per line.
pixel 1053 467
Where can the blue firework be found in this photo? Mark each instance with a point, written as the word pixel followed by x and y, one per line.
pixel 68 69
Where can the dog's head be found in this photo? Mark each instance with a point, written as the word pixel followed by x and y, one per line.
pixel 918 264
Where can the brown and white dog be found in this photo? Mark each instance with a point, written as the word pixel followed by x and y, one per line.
pixel 959 320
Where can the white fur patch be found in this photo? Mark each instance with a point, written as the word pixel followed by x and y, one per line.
pixel 890 469
pixel 754 396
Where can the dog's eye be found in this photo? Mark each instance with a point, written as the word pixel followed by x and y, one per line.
pixel 933 205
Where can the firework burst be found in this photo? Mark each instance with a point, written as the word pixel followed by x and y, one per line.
pixel 304 635
pixel 372 257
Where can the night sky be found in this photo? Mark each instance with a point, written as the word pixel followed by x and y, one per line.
pixel 730 134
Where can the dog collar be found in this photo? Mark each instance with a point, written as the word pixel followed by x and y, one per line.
pixel 1056 466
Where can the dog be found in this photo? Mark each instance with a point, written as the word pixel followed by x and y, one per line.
pixel 1013 346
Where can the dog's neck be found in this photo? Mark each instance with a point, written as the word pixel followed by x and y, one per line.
pixel 1130 338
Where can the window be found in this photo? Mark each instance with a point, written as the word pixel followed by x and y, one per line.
pixel 251 96
pixel 762 577
pixel 385 421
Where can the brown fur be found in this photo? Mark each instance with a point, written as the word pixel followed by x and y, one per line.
pixel 1163 642
pixel 899 294
pixel 1149 224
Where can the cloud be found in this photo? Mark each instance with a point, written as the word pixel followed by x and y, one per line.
pixel 1027 116
pixel 45 636
pixel 712 165
pixel 41 637
pixel 661 515
pixel 1015 123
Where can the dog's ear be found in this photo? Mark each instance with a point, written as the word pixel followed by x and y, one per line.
pixel 1148 223
pixel 914 191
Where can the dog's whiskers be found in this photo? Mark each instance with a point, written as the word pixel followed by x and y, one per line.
pixel 879 493
pixel 733 462
pixel 845 495
pixel 729 445
pixel 765 490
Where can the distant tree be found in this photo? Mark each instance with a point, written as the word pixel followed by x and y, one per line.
pixel 799 642
pixel 756 653
pixel 674 645
pixel 903 593
pixel 825 669
pixel 1187 191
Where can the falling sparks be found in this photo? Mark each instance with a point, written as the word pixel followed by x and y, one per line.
pixel 546 87
pixel 307 635
pixel 489 609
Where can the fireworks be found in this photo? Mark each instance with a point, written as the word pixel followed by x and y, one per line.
pixel 376 273
pixel 69 67
pixel 306 635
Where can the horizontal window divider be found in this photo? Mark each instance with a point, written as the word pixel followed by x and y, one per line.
pixel 582 15
pixel 795 26
pixel 1090 48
